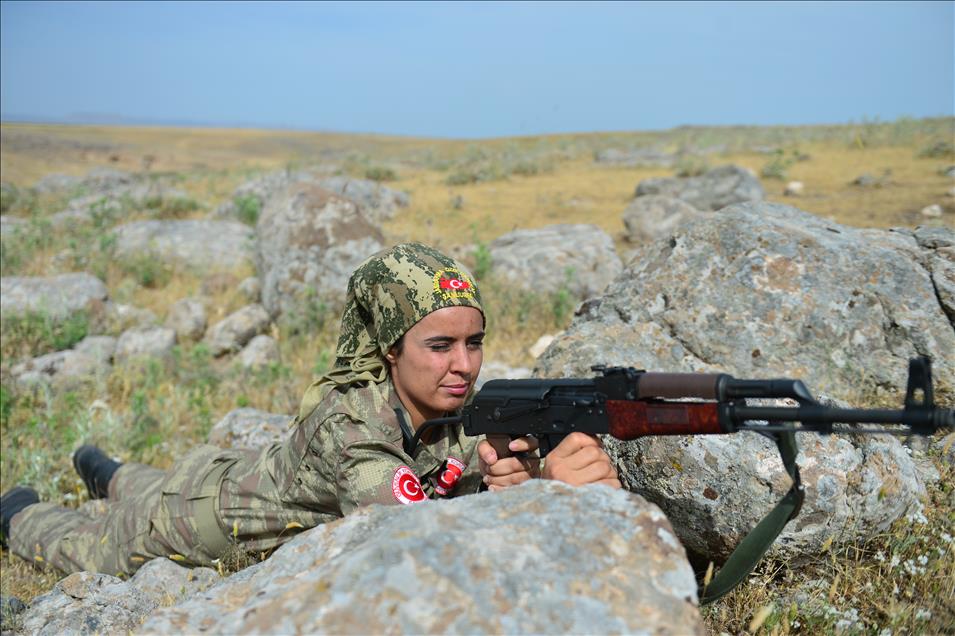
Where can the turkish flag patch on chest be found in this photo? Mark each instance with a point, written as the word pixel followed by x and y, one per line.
pixel 406 486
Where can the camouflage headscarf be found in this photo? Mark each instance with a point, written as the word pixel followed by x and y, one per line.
pixel 387 295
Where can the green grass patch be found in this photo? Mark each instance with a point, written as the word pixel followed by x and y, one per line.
pixel 37 333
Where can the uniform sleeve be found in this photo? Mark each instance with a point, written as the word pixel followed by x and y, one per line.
pixel 372 471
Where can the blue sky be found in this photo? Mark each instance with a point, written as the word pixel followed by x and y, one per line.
pixel 476 69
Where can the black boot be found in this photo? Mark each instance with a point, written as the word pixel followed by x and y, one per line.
pixel 96 469
pixel 12 502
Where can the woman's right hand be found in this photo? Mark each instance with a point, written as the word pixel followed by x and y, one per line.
pixel 506 462
pixel 580 459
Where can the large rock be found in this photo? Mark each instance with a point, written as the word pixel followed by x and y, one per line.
pixel 235 330
pixel 145 342
pixel 577 258
pixel 249 428
pixel 88 603
pixel 654 216
pixel 525 569
pixel 940 243
pixel 196 244
pixel 309 243
pixel 764 290
pixel 855 487
pixel 187 317
pixel 377 202
pixel 57 297
pixel 714 190
pixel 89 359
pixel 260 353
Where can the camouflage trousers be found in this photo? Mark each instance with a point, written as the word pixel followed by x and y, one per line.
pixel 150 513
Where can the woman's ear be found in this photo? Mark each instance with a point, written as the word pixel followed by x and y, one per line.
pixel 392 356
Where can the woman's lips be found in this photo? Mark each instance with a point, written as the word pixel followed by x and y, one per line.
pixel 457 389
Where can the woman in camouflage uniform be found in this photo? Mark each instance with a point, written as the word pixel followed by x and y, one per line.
pixel 409 351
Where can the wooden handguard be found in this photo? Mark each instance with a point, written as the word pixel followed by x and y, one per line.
pixel 633 419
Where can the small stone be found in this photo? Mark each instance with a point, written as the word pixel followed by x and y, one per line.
pixel 794 189
pixel 932 211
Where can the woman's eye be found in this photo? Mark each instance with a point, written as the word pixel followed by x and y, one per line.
pixel 440 347
pixel 477 344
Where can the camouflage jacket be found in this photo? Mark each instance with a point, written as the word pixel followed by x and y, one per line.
pixel 345 454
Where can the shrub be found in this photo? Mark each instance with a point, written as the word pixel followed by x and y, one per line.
pixel 37 333
pixel 482 260
pixel 248 208
pixel 938 150
pixel 147 270
pixel 691 166
pixel 778 166
pixel 379 173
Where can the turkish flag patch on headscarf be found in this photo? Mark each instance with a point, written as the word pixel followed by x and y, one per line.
pixel 406 486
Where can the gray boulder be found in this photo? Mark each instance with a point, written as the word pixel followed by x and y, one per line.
pixel 57 297
pixel 378 202
pixel 251 289
pixel 855 487
pixel 654 216
pixel 763 290
pixel 578 258
pixel 259 353
pixel 88 603
pixel 714 190
pixel 87 362
pixel 119 317
pixel 196 244
pixel 235 330
pixel 527 571
pixel 939 244
pixel 309 243
pixel 145 342
pixel 249 428
pixel 187 317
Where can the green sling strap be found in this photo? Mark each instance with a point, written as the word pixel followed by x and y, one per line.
pixel 754 545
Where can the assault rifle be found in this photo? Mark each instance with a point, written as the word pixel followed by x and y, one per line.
pixel 627 403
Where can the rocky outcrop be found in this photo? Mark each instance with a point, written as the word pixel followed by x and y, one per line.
pixel 87 603
pixel 249 428
pixel 654 216
pixel 714 190
pixel 56 297
pixel 187 317
pixel 145 342
pixel 309 243
pixel 261 352
pixel 196 244
pixel 377 202
pixel 403 570
pixel 577 258
pixel 89 361
pixel 235 330
pixel 763 290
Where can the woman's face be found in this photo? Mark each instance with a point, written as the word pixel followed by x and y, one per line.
pixel 438 362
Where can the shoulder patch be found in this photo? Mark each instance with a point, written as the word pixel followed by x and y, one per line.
pixel 406 486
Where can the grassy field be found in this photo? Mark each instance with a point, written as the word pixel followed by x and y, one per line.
pixel 463 193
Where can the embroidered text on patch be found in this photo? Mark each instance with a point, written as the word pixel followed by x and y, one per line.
pixel 406 487
pixel 452 283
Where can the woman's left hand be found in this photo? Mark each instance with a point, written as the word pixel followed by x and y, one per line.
pixel 504 461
